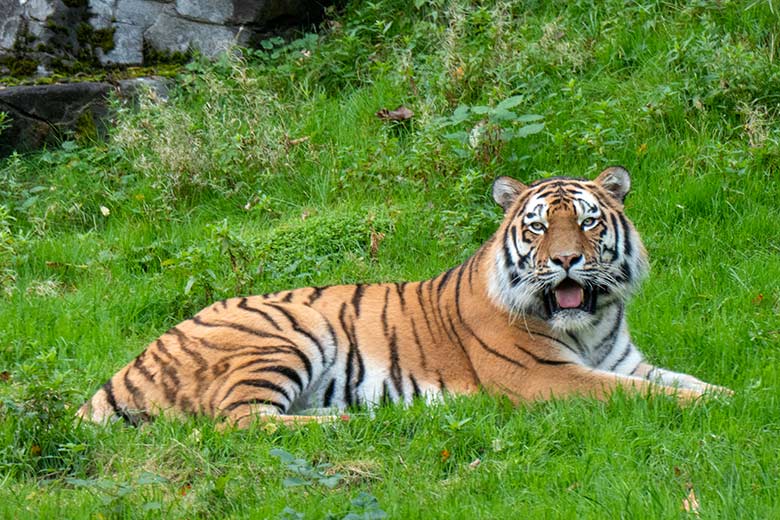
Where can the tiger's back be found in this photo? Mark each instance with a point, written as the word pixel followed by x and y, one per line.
pixel 286 352
pixel 537 311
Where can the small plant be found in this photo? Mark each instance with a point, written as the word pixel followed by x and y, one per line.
pixel 5 121
pixel 7 253
pixel 38 435
pixel 115 495
pixel 365 506
pixel 484 130
pixel 304 473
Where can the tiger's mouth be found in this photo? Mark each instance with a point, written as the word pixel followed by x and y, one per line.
pixel 569 295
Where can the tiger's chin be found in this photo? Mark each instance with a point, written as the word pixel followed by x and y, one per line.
pixel 572 320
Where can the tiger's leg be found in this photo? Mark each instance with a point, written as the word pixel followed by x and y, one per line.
pixel 666 377
pixel 562 381
pixel 244 416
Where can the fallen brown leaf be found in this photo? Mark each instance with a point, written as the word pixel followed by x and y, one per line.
pixel 399 114
pixel 298 140
pixel 690 504
pixel 376 239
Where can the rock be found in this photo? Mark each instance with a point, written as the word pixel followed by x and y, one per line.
pixel 45 114
pixel 128 46
pixel 174 34
pixel 10 20
pixel 214 11
pixel 41 114
pixel 69 34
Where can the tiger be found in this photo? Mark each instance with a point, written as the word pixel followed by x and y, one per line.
pixel 537 312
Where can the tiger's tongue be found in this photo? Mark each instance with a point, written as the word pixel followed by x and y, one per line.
pixel 569 296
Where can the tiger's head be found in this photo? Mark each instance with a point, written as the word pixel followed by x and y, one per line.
pixel 565 249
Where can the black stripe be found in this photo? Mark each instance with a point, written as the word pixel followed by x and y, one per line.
pixel 300 330
pixel 415 386
pixel 442 385
pixel 541 360
pixel 197 356
pixel 328 397
pixel 121 412
pixel 135 392
pixel 471 263
pixel 419 344
pixel 316 294
pixel 164 350
pixel 616 230
pixel 385 399
pixel 622 357
pixel 551 338
pixel 170 381
pixel 139 365
pixel 385 329
pixel 444 279
pixel 259 383
pixel 288 297
pixel 609 340
pixel 399 288
pixel 286 371
pixel 395 367
pixel 236 326
pixel 350 355
pixel 267 317
pixel 627 249
pixel 248 402
pixel 418 291
pixel 356 297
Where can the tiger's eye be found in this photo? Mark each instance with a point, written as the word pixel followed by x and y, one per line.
pixel 588 222
pixel 537 227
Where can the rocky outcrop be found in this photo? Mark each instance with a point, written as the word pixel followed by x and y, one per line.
pixel 45 114
pixel 36 35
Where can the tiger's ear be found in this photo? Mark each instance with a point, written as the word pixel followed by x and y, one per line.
pixel 616 181
pixel 506 190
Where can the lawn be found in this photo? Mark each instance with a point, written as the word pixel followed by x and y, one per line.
pixel 269 169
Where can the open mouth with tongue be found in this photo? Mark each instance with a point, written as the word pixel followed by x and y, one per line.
pixel 569 295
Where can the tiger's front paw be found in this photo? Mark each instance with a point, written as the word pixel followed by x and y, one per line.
pixel 718 390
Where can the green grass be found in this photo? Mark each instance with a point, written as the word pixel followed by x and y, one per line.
pixel 269 170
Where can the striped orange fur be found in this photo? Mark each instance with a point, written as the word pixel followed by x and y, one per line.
pixel 536 312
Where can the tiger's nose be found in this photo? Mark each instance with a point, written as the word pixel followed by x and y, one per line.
pixel 566 261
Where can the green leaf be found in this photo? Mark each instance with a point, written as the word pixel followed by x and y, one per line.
pixel 510 102
pixel 503 115
pixel 282 455
pixel 151 478
pixel 461 114
pixel 331 481
pixel 461 136
pixel 527 118
pixel 529 130
pixel 190 283
pixel 480 110
pixel 295 482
